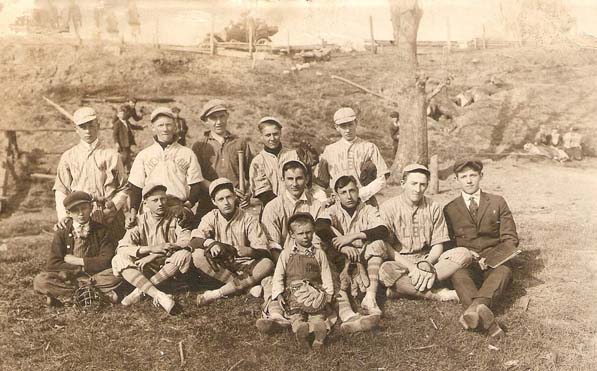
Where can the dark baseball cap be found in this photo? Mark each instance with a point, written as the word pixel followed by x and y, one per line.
pixel 474 164
pixel 76 198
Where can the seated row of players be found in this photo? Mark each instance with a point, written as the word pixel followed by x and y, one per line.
pixel 169 180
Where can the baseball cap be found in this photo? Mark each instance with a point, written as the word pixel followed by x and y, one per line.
pixel 300 163
pixel 344 115
pixel 461 164
pixel 272 120
pixel 84 115
pixel 76 198
pixel 416 168
pixel 334 181
pixel 151 187
pixel 161 111
pixel 214 105
pixel 219 183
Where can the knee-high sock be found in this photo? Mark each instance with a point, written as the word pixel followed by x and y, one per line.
pixel 262 269
pixel 373 273
pixel 167 271
pixel 345 311
pixel 137 279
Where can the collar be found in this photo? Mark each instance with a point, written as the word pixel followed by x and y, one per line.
pixel 90 146
pixel 406 202
pixel 220 138
pixel 294 200
pixel 234 216
pixel 476 196
pixel 163 145
pixel 349 143
pixel 309 251
pixel 274 151
pixel 354 211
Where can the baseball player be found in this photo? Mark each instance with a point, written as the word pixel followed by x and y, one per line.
pixel 217 152
pixel 230 245
pixel 81 250
pixel 157 245
pixel 351 155
pixel 168 163
pixel 357 237
pixel 419 231
pixel 96 169
pixel 265 172
pixel 302 283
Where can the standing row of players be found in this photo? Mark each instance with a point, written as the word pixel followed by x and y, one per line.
pixel 320 224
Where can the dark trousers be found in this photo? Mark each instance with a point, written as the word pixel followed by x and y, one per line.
pixel 493 283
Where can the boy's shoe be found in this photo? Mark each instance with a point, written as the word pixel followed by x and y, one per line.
pixel 165 301
pixel 271 325
pixel 321 331
pixel 302 335
pixel 470 318
pixel 445 294
pixel 360 323
pixel 256 291
pixel 112 297
pixel 369 306
pixel 133 298
pixel 207 297
pixel 52 302
pixel 488 322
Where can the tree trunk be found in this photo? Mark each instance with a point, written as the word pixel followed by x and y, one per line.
pixel 412 148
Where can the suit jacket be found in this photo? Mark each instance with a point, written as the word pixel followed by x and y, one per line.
pixel 98 249
pixel 494 224
pixel 123 135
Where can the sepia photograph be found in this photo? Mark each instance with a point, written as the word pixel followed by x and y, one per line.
pixel 376 185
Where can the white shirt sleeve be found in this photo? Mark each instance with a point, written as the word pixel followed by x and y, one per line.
pixel 372 188
pixel 60 209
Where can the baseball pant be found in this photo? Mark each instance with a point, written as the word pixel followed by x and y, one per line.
pixel 50 283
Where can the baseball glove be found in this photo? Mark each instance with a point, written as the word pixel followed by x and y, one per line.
pixel 87 296
pixel 224 260
pixel 307 154
pixel 368 172
pixel 354 277
pixel 306 297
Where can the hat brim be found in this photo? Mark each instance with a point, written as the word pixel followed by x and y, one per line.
pixel 84 121
pixel 212 111
pixel 153 189
pixel 78 202
pixel 345 120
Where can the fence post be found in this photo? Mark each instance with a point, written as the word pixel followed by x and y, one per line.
pixel 373 45
pixel 212 38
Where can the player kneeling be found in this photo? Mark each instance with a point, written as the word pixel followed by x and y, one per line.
pixel 230 245
pixel 157 245
pixel 302 284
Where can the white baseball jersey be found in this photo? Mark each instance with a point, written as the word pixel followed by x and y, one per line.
pixel 175 166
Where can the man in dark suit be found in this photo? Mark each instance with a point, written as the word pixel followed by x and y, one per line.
pixel 122 132
pixel 480 221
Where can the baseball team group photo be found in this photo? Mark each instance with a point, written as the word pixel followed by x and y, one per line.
pixel 238 205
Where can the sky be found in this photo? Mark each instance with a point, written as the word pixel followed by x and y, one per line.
pixel 301 21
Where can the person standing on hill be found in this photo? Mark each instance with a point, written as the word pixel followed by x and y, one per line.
pixel 122 133
pixel 480 222
pixel 217 152
pixel 351 155
pixel 96 169
pixel 395 131
pixel 572 143
pixel 181 127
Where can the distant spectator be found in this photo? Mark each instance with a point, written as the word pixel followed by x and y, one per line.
pixel 122 132
pixel 181 127
pixel 543 137
pixel 572 143
pixel 556 138
pixel 395 130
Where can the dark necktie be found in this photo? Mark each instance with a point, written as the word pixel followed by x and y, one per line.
pixel 473 207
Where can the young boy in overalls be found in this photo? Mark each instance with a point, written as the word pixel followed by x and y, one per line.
pixel 302 283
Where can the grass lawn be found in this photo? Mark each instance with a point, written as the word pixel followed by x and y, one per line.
pixel 549 318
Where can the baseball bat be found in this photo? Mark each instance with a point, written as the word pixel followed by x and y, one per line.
pixel 241 171
pixel 60 109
